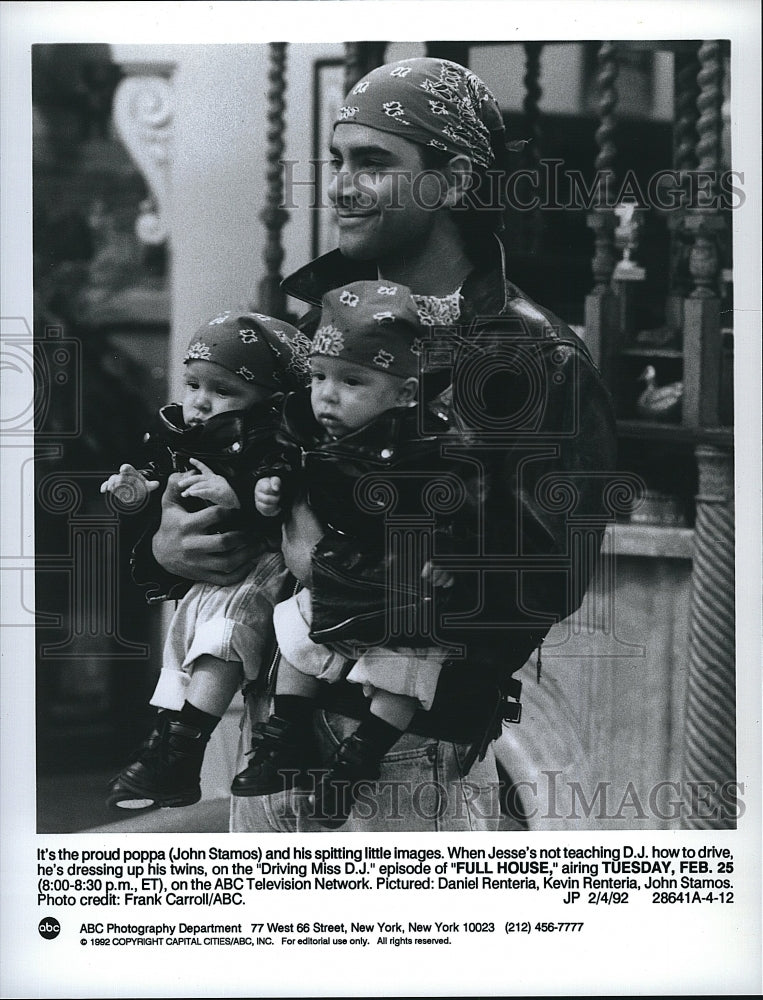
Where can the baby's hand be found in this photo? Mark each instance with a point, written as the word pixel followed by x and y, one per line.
pixel 129 487
pixel 439 577
pixel 267 496
pixel 207 485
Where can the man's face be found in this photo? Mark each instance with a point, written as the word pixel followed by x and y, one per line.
pixel 386 205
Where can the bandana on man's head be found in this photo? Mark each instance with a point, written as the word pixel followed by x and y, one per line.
pixel 374 324
pixel 260 349
pixel 432 102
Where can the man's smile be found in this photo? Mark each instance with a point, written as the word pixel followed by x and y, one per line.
pixel 344 214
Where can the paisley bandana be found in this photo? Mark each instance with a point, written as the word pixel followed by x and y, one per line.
pixel 374 324
pixel 432 102
pixel 439 310
pixel 260 349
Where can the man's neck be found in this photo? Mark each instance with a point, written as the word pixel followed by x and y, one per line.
pixel 438 269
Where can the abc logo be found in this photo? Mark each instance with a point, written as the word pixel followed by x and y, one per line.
pixel 49 928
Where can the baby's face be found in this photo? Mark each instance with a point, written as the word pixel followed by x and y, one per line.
pixel 346 396
pixel 211 389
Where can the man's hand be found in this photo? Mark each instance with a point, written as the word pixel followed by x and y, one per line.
pixel 301 533
pixel 267 496
pixel 191 545
pixel 129 486
pixel 207 485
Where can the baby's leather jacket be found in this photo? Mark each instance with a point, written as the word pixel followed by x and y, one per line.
pixel 233 444
pixel 390 498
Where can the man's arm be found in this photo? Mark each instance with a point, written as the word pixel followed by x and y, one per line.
pixel 190 547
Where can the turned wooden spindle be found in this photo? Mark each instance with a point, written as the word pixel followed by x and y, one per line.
pixel 601 308
pixel 271 298
pixel 686 113
pixel 704 221
pixel 601 219
pixel 684 159
pixel 709 764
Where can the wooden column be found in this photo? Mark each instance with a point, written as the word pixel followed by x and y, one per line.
pixel 686 92
pixel 601 314
pixel 360 58
pixel 684 159
pixel 702 337
pixel 710 734
pixel 271 299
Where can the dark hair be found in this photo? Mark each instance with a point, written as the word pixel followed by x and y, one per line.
pixel 481 213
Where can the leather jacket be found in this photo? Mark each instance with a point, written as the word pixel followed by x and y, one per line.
pixel 542 439
pixel 233 445
pixel 390 499
pixel 230 443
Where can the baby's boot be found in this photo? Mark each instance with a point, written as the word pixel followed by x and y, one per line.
pixel 166 770
pixel 282 751
pixel 356 761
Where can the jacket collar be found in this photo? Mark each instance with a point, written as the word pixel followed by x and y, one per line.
pixel 380 441
pixel 484 290
pixel 228 433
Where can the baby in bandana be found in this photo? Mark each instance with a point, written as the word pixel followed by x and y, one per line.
pixel 237 368
pixel 355 445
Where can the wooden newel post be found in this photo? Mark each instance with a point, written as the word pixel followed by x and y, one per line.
pixel 709 768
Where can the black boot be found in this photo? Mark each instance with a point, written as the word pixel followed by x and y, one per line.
pixel 281 752
pixel 355 761
pixel 165 771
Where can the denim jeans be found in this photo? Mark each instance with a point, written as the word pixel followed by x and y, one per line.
pixel 421 789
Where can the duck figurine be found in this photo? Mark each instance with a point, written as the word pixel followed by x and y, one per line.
pixel 659 402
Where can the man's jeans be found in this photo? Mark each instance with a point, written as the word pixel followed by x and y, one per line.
pixel 421 789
